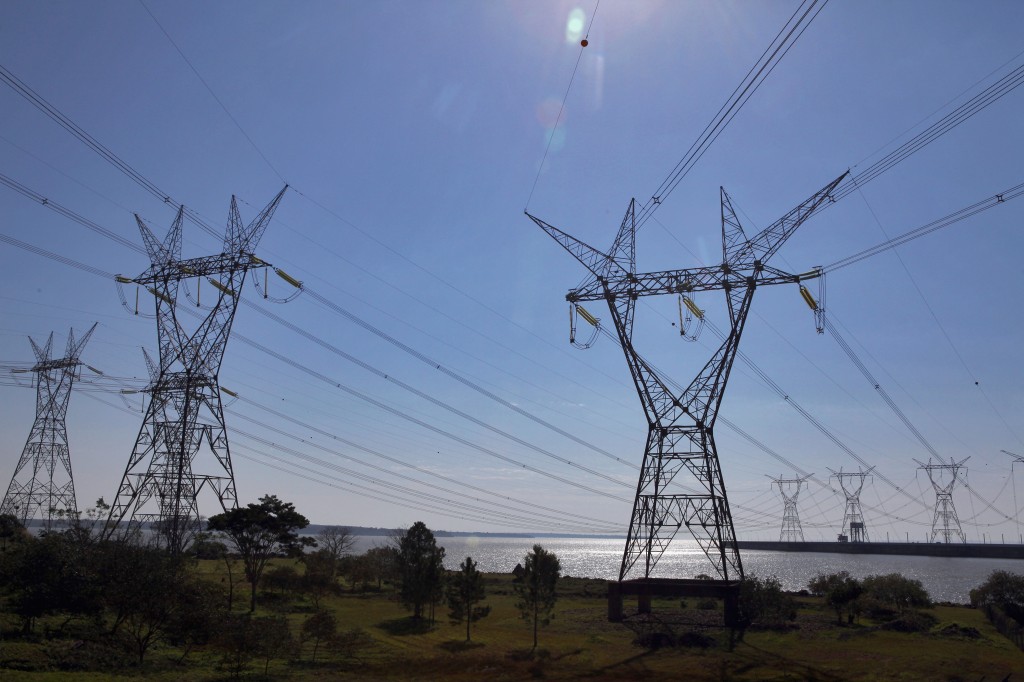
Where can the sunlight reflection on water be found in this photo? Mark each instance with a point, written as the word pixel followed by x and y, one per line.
pixel 946 579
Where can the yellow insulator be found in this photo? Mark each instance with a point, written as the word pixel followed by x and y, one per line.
pixel 228 391
pixel 808 298
pixel 288 278
pixel 218 285
pixel 122 279
pixel 692 307
pixel 585 314
pixel 159 294
pixel 186 270
pixel 256 261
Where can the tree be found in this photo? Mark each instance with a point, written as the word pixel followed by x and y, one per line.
pixel 383 564
pixel 465 591
pixel 536 589
pixel 839 590
pixel 897 591
pixel 318 580
pixel 258 531
pixel 1003 590
pixel 54 573
pixel 335 542
pixel 197 618
pixel 762 602
pixel 320 626
pixel 235 638
pixel 272 638
pixel 143 588
pixel 11 531
pixel 421 569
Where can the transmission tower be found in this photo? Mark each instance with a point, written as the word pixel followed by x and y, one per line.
pixel 945 521
pixel 680 438
pixel 182 446
pixel 42 482
pixel 852 482
pixel 790 490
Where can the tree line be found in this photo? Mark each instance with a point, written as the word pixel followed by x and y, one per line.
pixel 121 597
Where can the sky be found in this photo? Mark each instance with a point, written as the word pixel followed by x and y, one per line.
pixel 429 355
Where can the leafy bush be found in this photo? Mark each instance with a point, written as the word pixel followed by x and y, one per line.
pixel 897 591
pixel 840 592
pixel 1003 590
pixel 762 602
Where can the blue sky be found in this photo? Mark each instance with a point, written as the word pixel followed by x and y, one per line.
pixel 420 128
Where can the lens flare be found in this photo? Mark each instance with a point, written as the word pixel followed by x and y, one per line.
pixel 574 26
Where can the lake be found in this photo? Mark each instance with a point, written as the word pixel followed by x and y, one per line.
pixel 946 579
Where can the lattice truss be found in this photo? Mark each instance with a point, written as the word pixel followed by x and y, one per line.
pixel 182 446
pixel 680 452
pixel 42 485
pixel 789 488
pixel 851 483
pixel 945 522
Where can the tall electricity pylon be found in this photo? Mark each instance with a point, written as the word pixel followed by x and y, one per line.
pixel 790 490
pixel 42 482
pixel 945 520
pixel 680 438
pixel 852 482
pixel 182 446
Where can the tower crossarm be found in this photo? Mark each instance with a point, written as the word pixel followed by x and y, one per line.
pixel 205 266
pixel 689 280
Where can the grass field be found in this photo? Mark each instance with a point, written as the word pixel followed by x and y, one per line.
pixel 383 643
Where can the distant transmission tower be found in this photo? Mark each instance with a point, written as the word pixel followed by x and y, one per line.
pixel 42 482
pixel 680 439
pixel 182 446
pixel 790 490
pixel 852 482
pixel 945 520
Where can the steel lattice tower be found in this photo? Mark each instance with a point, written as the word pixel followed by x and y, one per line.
pixel 945 520
pixel 182 446
pixel 680 438
pixel 852 482
pixel 42 480
pixel 791 528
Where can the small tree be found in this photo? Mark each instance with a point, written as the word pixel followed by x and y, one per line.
pixel 762 602
pixel 11 531
pixel 839 590
pixel 421 569
pixel 272 638
pixel 235 638
pixel 335 542
pixel 383 564
pixel 897 591
pixel 465 591
pixel 320 626
pixel 258 531
pixel 536 589
pixel 1003 590
pixel 198 616
pixel 318 580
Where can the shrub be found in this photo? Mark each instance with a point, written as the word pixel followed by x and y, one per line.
pixel 762 602
pixel 897 591
pixel 840 592
pixel 1003 590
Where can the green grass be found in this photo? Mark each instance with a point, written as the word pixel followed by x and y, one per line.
pixel 581 644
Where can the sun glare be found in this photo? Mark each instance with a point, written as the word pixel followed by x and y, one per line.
pixel 574 26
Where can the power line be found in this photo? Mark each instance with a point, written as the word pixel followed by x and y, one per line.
pixel 769 59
